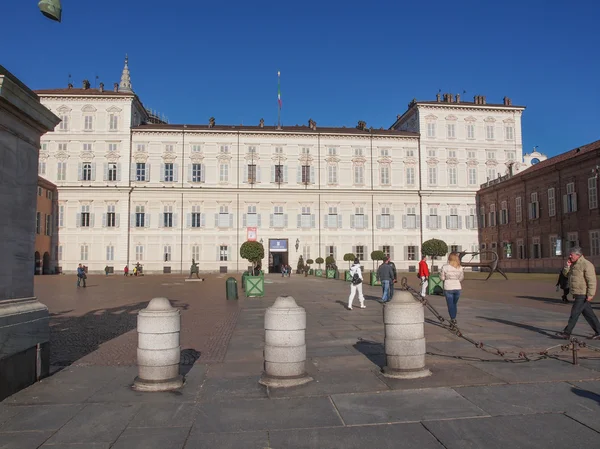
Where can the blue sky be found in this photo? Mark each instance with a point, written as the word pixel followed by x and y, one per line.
pixel 340 61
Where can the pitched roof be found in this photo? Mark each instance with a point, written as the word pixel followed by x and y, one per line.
pixel 83 92
pixel 287 129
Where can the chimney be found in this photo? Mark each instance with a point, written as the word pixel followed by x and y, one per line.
pixel 312 124
pixel 116 87
pixel 70 86
pixel 445 98
pixel 437 97
pixel 458 98
pixel 483 100
pixel 475 99
pixel 507 101
pixel 101 88
pixel 261 124
pixel 86 84
pixel 449 98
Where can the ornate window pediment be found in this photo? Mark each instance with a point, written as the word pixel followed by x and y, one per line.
pixel 114 109
pixel 470 119
pixel 490 120
pixel 509 121
pixel 431 117
pixel 64 109
pixel 88 108
pixel 451 118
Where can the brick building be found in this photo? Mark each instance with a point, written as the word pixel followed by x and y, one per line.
pixel 534 217
pixel 46 236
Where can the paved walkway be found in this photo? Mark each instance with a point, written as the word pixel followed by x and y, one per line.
pixel 472 400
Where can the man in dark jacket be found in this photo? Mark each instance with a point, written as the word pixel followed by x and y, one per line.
pixel 394 280
pixel 385 274
pixel 563 283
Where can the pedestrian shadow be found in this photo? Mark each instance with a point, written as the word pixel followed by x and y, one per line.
pixel 547 332
pixel 372 298
pixel 373 350
pixel 342 303
pixel 543 299
pixel 187 359
pixel 586 394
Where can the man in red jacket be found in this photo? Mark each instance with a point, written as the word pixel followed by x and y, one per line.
pixel 423 275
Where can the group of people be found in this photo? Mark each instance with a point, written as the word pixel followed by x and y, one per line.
pixel 286 270
pixel 578 277
pixel 137 269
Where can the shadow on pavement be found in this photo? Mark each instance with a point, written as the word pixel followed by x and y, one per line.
pixel 547 332
pixel 543 299
pixel 373 350
pixel 586 394
pixel 188 358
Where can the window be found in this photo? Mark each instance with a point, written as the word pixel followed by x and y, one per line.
pixel 551 203
pixel 453 221
pixel 85 216
pixel 110 253
pixel 534 207
pixel 472 218
pixel 570 199
pixel 224 149
pixel 38 223
pixel 360 219
pixel 536 248
pixel 595 243
pixel 470 131
pixel 251 171
pixel 196 217
pixel 223 172
pixel 113 122
pixel 42 167
pixel 432 176
pixel 482 217
pixel 278 150
pixel 84 252
pixel 553 245
pixel 360 252
pixel 410 219
pixel 88 122
pixel 410 153
pixel 64 122
pixel 197 173
pixel 387 250
pixel 140 217
pixel 306 219
pixel 411 253
pixel 452 154
pixel 196 148
pixel 490 155
pixel 572 240
pixel 359 174
pixel 252 150
pixel 332 218
pixel 509 133
pixel 432 152
pixel 433 221
pixel 279 173
pixel 141 147
pixel 168 216
pixel 195 252
pixel 384 152
pixel 386 221
pixel 49 194
pixel 518 210
pixel 385 174
pixel 305 151
pixel 492 215
pixel 86 172
pixel 223 253
pixel 471 155
pixel 306 252
pixel 332 174
pixel 306 173
pixel 139 252
pixel 331 151
pixel 452 176
pixel 61 216
pixel 430 129
pixel 168 172
pixel 59 252
pixel 39 191
pixel 330 251
pixel 140 171
pixel 593 193
pixel 278 218
pixel 451 127
pixel 489 132
pixel 167 253
pixel 224 220
pixel 472 176
pixel 491 173
pixel 358 152
pixel 503 213
pixel 511 156
pixel 111 216
pixel 251 218
pixel 410 176
pixel 520 249
pixel 112 171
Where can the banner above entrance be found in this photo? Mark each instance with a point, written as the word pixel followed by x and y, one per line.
pixel 278 246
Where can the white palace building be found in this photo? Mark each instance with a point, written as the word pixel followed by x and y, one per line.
pixel 132 188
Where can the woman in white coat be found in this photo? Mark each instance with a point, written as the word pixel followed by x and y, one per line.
pixel 356 280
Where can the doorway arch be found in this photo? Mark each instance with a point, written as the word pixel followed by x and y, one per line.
pixel 46 263
pixel 37 268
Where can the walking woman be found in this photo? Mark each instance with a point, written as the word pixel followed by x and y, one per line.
pixel 452 274
pixel 356 285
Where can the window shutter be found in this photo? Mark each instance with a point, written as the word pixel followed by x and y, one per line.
pixel 392 252
pixel 161 220
pixel 447 221
pixel 146 220
pixel 216 220
pixel 175 172
pixel 285 173
pixel 218 253
pixel 188 220
pixel 231 220
pixel 245 178
pixel 244 220
pixel 575 203
pixel 202 172
pixel 103 220
pixel 132 172
pixel 339 222
pixel 285 220
pixel 105 172
pixel 272 173
pixel 459 222
pixel 427 224
pixel 366 217
pixel 78 220
pixel 299 220
pixel 417 222
pixel 391 222
pixel 312 174
pixel 404 221
pixel 117 220
pixel 354 250
pixel 80 171
pixel 335 252
pixel 258 220
pixel 202 220
pixel 406 253
pixel 175 220
pixel 468 221
pixel 132 221
pixel 93 171
pixel 313 221
pixel 378 220
pixel 162 172
pixel 271 224
pixel 258 174
pixel 92 220
pixel 119 171
pixel 190 172
pixel 147 178
pixel 351 221
pixel 417 253
pixel 299 174
pixel 439 222
pixel 537 209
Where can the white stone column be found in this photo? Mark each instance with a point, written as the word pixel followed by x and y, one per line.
pixel 285 344
pixel 24 329
pixel 404 319
pixel 158 352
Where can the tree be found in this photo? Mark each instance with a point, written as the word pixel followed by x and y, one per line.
pixel 300 266
pixel 377 255
pixel 330 261
pixel 434 248
pixel 309 262
pixel 349 257
pixel 319 260
pixel 253 252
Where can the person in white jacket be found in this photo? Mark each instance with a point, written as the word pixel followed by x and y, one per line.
pixel 355 269
pixel 452 274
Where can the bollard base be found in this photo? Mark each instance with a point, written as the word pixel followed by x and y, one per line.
pixel 157 385
pixel 405 374
pixel 284 382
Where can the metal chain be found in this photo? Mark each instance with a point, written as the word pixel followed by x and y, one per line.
pixel 508 356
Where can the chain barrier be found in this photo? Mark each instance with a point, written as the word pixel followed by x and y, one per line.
pixel 572 345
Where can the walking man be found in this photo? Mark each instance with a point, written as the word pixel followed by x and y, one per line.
pixel 423 275
pixel 582 282
pixel 386 277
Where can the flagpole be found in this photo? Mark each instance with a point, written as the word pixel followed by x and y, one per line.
pixel 278 99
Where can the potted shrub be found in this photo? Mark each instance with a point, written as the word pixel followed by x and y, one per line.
pixel 349 257
pixel 318 271
pixel 300 266
pixel 331 268
pixel 376 256
pixel 254 252
pixel 435 248
pixel 309 262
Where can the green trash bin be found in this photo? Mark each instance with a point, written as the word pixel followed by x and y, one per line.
pixel 435 285
pixel 231 288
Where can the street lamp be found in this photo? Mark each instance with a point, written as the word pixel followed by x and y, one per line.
pixel 51 9
pixel 297 244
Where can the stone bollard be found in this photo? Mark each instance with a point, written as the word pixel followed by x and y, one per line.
pixel 404 318
pixel 158 350
pixel 285 344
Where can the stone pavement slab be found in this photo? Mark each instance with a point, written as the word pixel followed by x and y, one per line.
pixel 153 438
pixel 515 432
pixel 540 371
pixel 40 417
pixel 228 388
pixel 23 440
pixel 404 406
pixel 238 440
pixel 263 414
pixel 386 436
pixel 165 415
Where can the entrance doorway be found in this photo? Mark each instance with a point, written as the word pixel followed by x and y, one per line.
pixel 37 268
pixel 46 263
pixel 278 254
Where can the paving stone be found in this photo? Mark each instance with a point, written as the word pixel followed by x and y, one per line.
pixel 41 417
pixel 540 371
pixel 99 423
pixel 328 351
pixel 261 414
pixel 23 440
pixel 241 440
pixel 404 406
pixel 8 411
pixel 156 438
pixel 386 436
pixel 516 432
pixel 77 446
pixel 235 369
pixel 342 363
pixel 165 415
pixel 218 389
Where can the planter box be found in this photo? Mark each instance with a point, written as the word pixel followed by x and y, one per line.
pixel 374 280
pixel 311 272
pixel 331 274
pixel 435 285
pixel 319 272
pixel 347 276
pixel 255 286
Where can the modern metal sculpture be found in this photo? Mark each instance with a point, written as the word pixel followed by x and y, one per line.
pixel 492 264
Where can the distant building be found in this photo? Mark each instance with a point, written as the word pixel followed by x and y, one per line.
pixel 46 233
pixel 533 218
